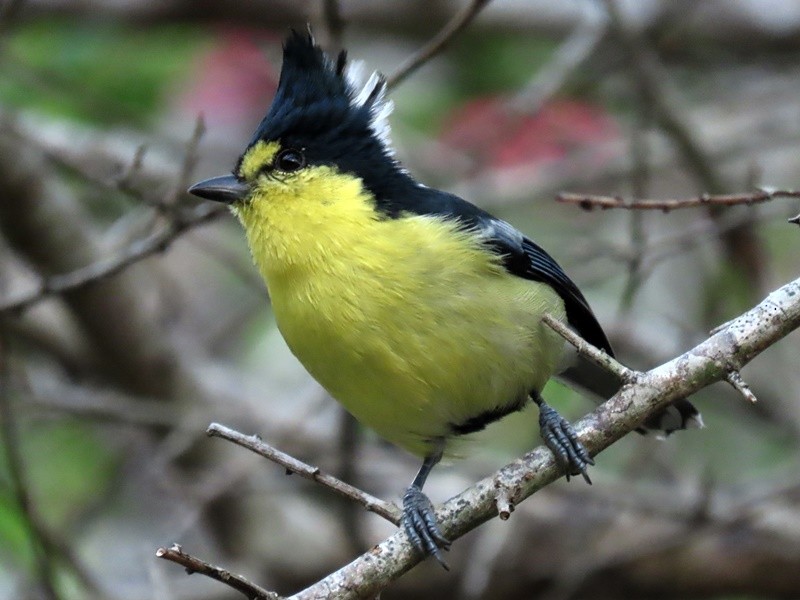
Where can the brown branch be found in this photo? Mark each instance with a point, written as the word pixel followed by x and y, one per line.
pixel 387 510
pixel 592 201
pixel 458 23
pixel 107 267
pixel 194 565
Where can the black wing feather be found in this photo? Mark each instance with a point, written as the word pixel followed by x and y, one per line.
pixel 538 265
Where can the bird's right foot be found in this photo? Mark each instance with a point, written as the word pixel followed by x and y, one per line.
pixel 560 437
pixel 419 523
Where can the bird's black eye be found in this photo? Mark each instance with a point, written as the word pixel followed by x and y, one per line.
pixel 290 160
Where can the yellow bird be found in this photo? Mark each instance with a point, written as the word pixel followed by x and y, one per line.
pixel 416 310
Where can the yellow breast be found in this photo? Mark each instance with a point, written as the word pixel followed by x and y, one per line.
pixel 410 323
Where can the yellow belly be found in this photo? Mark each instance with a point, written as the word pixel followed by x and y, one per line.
pixel 415 330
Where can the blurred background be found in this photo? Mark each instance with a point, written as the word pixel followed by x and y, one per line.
pixel 131 317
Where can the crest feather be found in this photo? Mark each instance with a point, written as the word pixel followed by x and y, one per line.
pixel 314 90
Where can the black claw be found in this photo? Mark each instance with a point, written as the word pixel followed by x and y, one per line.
pixel 419 523
pixel 560 437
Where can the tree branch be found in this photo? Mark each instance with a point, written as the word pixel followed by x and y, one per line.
pixel 437 43
pixel 592 201
pixel 585 349
pixel 194 565
pixel 107 267
pixel 387 510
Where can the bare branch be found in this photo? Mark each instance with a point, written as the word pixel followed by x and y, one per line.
pixel 387 510
pixel 592 201
pixel 585 349
pixel 187 164
pixel 740 342
pixel 107 267
pixel 565 60
pixel 194 565
pixel 735 379
pixel 437 43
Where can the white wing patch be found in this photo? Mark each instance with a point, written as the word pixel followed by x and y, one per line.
pixel 496 228
pixel 373 92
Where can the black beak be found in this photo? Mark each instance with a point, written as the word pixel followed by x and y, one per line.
pixel 226 189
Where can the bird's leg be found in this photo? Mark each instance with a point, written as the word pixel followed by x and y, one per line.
pixel 560 437
pixel 419 519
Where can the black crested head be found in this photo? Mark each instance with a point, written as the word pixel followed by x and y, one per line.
pixel 319 108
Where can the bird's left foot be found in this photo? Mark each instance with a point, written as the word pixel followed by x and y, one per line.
pixel 560 437
pixel 419 523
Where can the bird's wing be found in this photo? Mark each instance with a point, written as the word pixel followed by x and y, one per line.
pixel 521 256
pixel 524 258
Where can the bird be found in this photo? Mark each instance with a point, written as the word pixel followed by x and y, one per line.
pixel 416 310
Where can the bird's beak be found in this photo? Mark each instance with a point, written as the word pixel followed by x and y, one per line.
pixel 226 189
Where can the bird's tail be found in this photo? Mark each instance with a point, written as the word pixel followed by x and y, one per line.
pixel 601 384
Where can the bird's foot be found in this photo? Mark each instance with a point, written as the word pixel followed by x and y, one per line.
pixel 419 523
pixel 560 437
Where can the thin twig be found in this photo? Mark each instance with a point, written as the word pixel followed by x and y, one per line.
pixel 194 565
pixel 564 62
pixel 592 201
pixel 157 242
pixel 740 385
pixel 190 157
pixel 458 23
pixel 587 350
pixel 387 510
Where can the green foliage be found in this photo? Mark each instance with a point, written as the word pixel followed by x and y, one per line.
pixel 66 468
pixel 489 64
pixel 14 535
pixel 97 72
pixel 483 64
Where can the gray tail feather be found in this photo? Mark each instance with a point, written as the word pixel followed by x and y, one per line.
pixel 600 384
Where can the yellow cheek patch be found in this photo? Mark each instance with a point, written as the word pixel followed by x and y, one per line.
pixel 257 157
